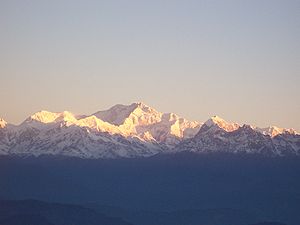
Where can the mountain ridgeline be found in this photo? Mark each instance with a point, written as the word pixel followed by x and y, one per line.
pixel 137 130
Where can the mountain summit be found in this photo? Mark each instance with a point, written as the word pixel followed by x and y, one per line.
pixel 139 112
pixel 221 123
pixel 139 119
pixel 137 130
pixel 50 117
pixel 3 123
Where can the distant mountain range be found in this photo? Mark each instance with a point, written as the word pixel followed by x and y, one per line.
pixel 138 130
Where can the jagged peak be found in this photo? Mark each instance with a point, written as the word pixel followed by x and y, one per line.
pixel 170 117
pixel 45 116
pixel 92 120
pixel 130 107
pixel 98 124
pixel 140 104
pixel 274 131
pixel 116 114
pixel 3 123
pixel 119 113
pixel 221 123
pixel 143 107
pixel 147 136
pixel 66 116
pixel 214 120
pixel 247 127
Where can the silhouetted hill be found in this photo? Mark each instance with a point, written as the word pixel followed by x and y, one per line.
pixel 182 217
pixel 25 219
pixel 267 188
pixel 42 213
pixel 269 223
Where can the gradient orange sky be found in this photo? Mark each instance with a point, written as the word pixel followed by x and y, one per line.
pixel 236 59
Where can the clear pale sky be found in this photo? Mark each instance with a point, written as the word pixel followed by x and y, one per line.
pixel 236 59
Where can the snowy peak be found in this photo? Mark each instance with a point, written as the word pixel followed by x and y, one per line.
pixel 144 108
pixel 271 131
pixel 245 139
pixel 247 130
pixel 43 118
pixel 51 117
pixel 136 120
pixel 216 121
pixel 138 130
pixel 117 115
pixel 163 127
pixel 274 131
pixel 97 124
pixel 170 117
pixel 145 122
pixel 142 115
pixel 3 123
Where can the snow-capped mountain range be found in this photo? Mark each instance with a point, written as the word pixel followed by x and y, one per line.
pixel 138 130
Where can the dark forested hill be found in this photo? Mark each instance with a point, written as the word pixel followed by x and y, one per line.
pixel 263 188
pixel 24 212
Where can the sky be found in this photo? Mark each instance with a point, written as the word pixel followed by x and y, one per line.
pixel 239 60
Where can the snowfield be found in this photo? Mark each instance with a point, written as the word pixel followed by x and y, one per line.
pixel 138 130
